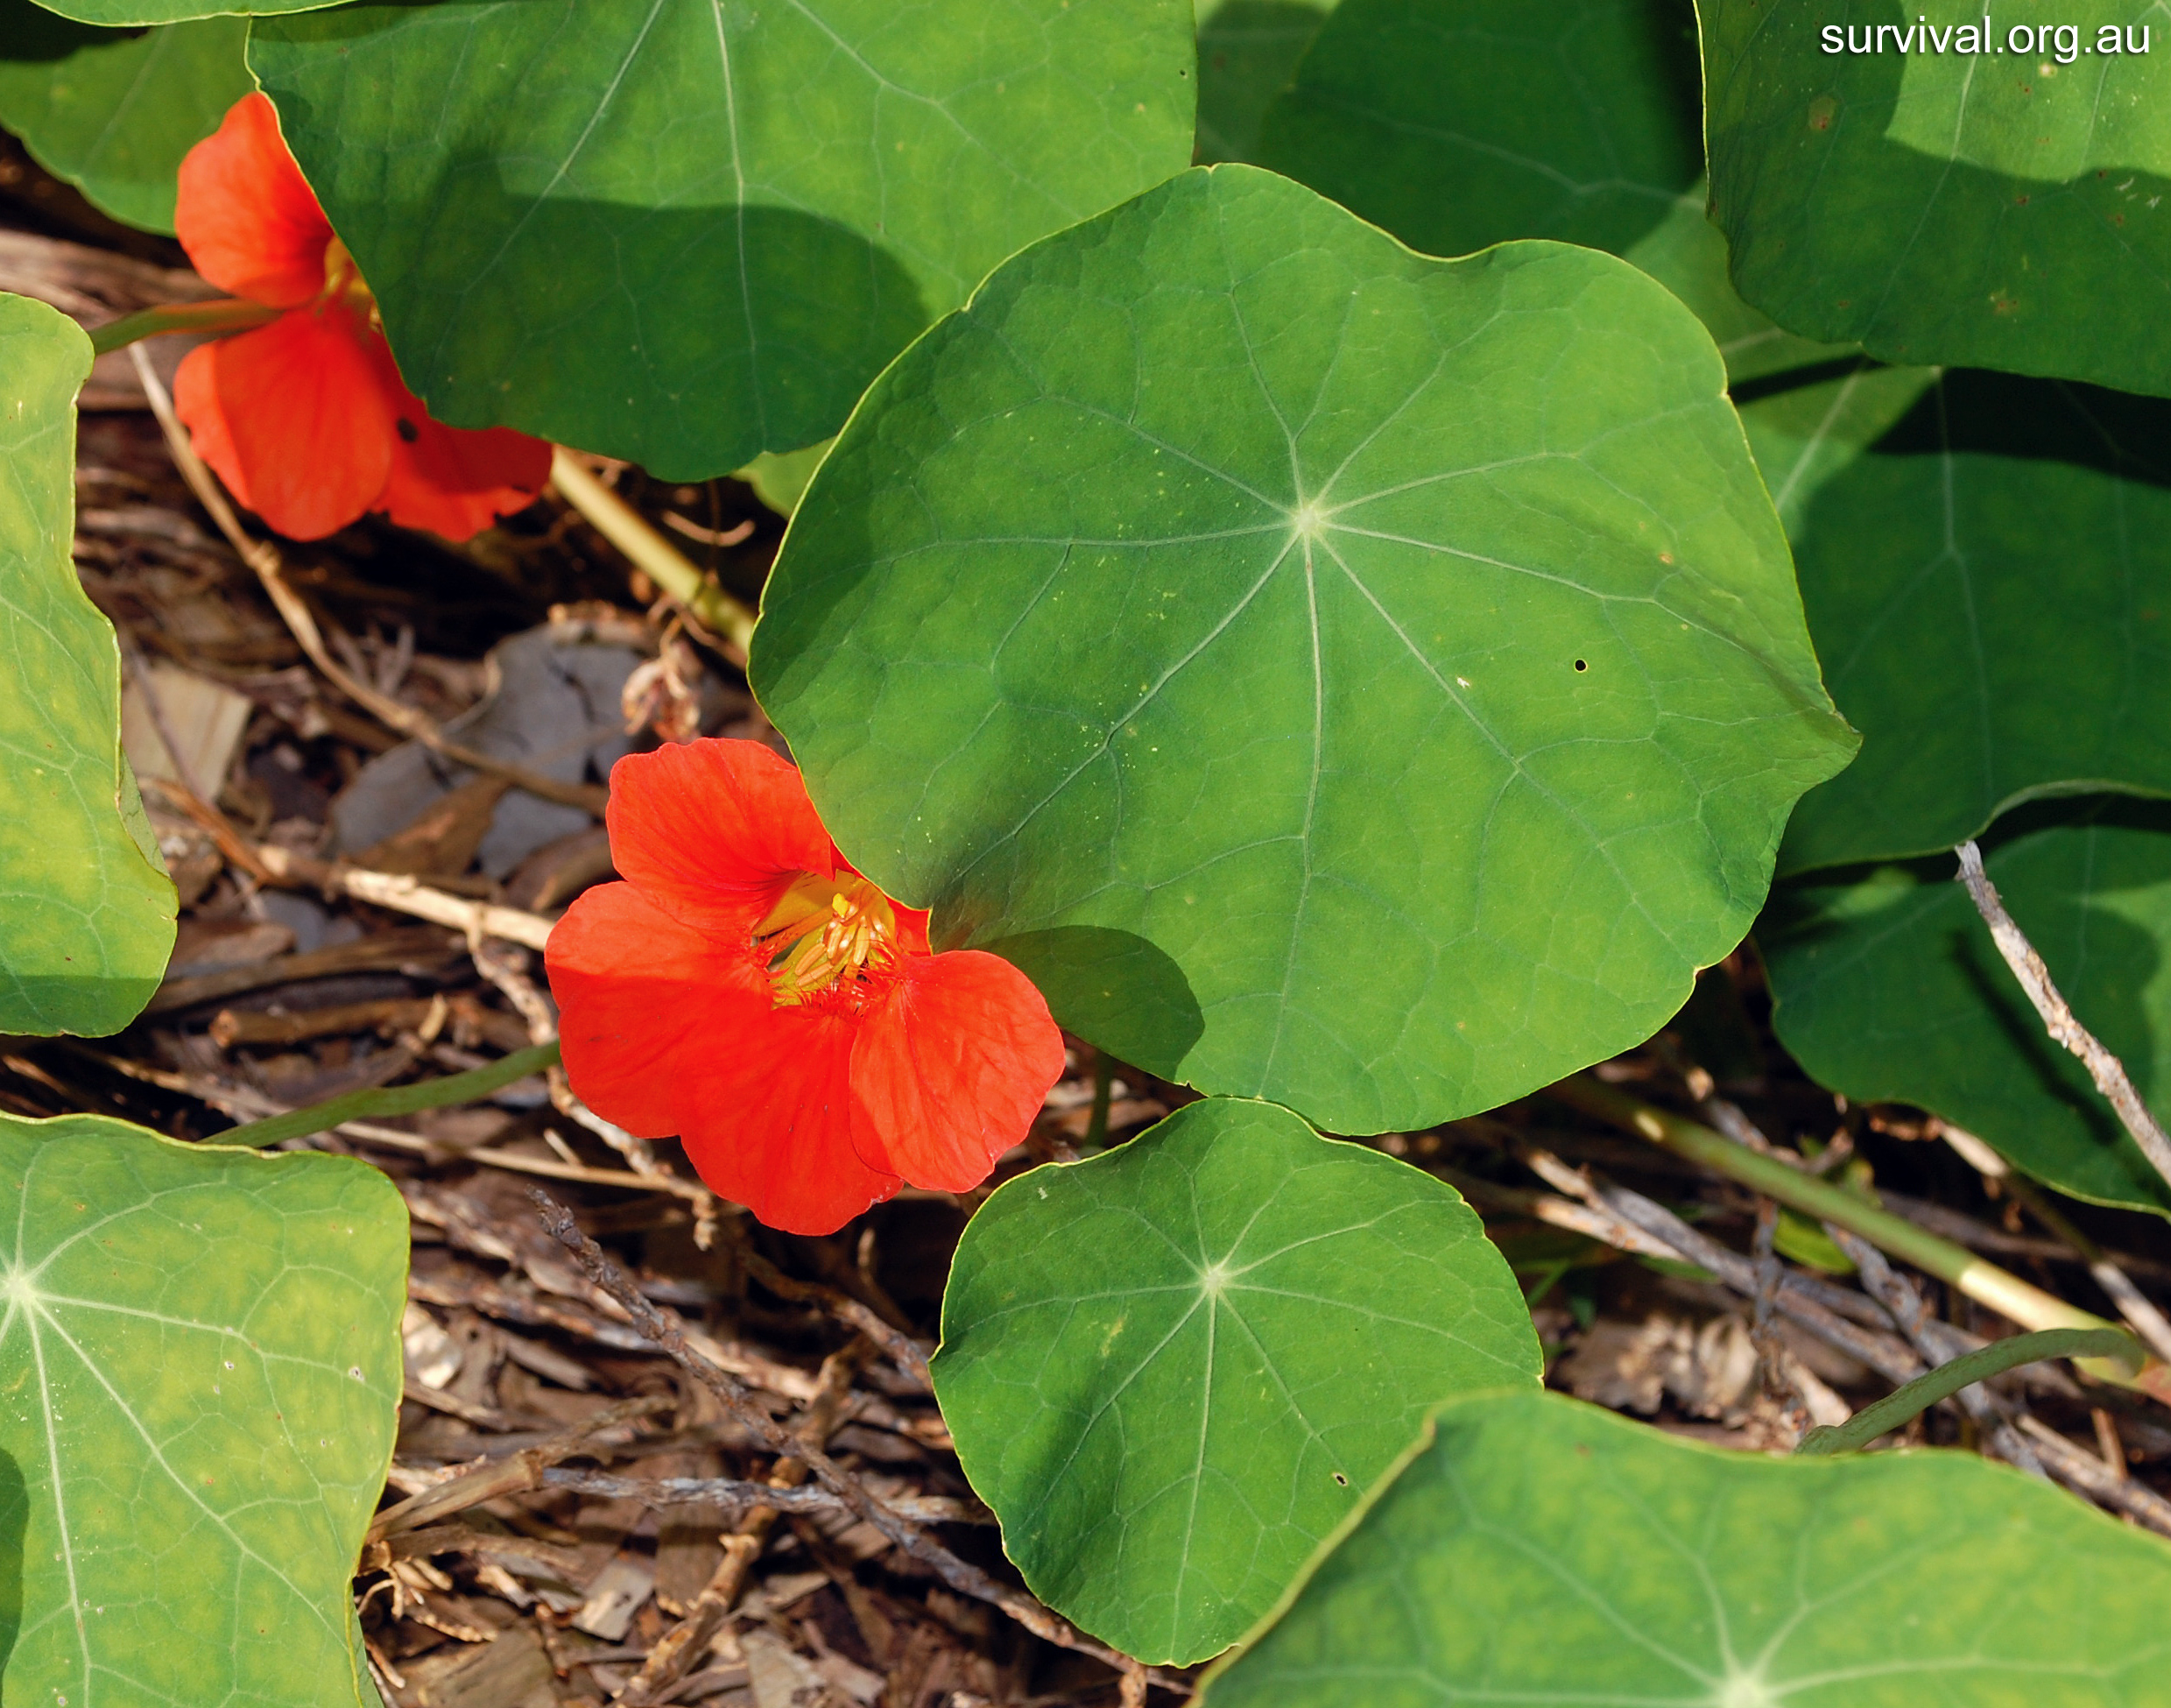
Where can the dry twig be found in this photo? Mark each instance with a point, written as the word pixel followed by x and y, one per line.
pixel 419 947
pixel 965 1579
pixel 1774 1368
pixel 2140 1311
pixel 1912 1312
pixel 737 1494
pixel 409 895
pixel 514 1475
pixel 2059 1020
pixel 1796 1297
pixel 678 1649
pixel 900 1347
pixel 2001 1291
pixel 2082 1469
pixel 271 569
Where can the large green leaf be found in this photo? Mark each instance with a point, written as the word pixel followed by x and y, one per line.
pixel 1685 252
pixel 1172 1369
pixel 1888 987
pixel 1369 683
pixel 1999 210
pixel 1989 589
pixel 200 1380
pixel 1807 426
pixel 85 909
pixel 1552 1555
pixel 1248 52
pixel 123 13
pixel 1458 125
pixel 1455 126
pixel 112 111
pixel 686 231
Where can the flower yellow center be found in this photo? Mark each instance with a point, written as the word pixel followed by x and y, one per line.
pixel 827 934
pixel 343 283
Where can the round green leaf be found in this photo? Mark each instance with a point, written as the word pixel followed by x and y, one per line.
pixel 113 111
pixel 1248 52
pixel 85 909
pixel 1335 675
pixel 1808 425
pixel 1685 252
pixel 687 232
pixel 199 1378
pixel 1549 1554
pixel 1459 125
pixel 779 478
pixel 1989 589
pixel 124 13
pixel 1996 210
pixel 1889 988
pixel 1172 1369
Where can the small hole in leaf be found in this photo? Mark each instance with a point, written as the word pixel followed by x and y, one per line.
pixel 408 431
pixel 1340 1478
pixel 1580 665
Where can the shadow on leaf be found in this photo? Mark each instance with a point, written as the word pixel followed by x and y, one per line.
pixel 1844 228
pixel 1115 989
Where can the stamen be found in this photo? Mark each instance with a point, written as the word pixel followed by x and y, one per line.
pixel 827 935
pixel 343 281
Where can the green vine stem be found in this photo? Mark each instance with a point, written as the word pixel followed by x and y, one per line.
pixel 1982 1281
pixel 222 314
pixel 624 527
pixel 1096 1124
pixel 1925 1391
pixel 379 1101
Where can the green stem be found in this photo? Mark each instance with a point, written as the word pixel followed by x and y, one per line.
pixel 624 527
pixel 1919 1396
pixel 1096 1124
pixel 223 314
pixel 1981 1280
pixel 379 1101
pixel 1953 1265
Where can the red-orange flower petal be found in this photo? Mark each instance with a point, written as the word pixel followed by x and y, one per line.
pixel 636 991
pixel 769 1124
pixel 293 419
pixel 712 831
pixel 453 481
pixel 950 1069
pixel 809 1073
pixel 196 401
pixel 666 1032
pixel 245 214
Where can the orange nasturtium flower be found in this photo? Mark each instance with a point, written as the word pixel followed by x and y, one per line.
pixel 305 417
pixel 747 990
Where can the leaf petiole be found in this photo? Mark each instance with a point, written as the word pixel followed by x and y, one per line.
pixel 1925 1391
pixel 222 315
pixel 380 1101
pixel 1956 1266
pixel 1096 1124
pixel 624 527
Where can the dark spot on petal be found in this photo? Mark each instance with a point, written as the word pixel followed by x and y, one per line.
pixel 408 431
